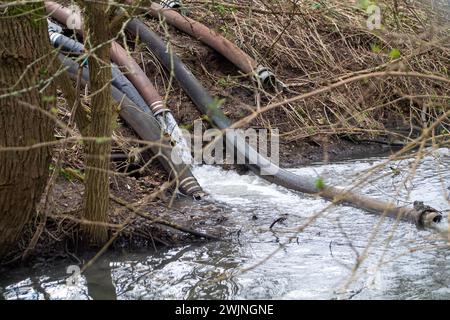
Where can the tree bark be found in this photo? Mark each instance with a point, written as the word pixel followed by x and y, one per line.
pixel 25 60
pixel 102 117
pixel 82 121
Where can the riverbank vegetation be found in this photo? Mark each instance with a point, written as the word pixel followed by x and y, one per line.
pixel 355 76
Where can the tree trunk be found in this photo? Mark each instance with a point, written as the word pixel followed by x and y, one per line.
pixel 24 62
pixel 102 117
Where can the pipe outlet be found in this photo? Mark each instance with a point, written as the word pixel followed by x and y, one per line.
pixel 190 186
pixel 265 76
pixel 158 107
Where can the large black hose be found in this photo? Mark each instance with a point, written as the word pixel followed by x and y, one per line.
pixel 256 162
pixel 215 40
pixel 148 128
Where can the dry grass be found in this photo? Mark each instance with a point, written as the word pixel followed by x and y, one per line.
pixel 310 44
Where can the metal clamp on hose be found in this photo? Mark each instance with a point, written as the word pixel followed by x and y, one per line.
pixel 191 187
pixel 54 38
pixel 64 43
pixel 265 76
pixel 54 32
pixel 53 27
pixel 158 107
pixel 173 4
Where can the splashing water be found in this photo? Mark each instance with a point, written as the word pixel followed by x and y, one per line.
pixel 400 262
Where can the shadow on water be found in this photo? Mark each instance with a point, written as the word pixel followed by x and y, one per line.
pixel 99 283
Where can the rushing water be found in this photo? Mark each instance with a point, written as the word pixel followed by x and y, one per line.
pixel 396 260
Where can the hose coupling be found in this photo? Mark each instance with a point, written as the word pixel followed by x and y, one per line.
pixel 265 76
pixel 53 27
pixel 54 37
pixel 173 4
pixel 158 107
pixel 191 187
pixel 425 215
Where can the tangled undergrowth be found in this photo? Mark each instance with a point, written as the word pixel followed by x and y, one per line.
pixel 308 45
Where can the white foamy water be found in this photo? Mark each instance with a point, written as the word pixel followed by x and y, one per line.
pixel 400 262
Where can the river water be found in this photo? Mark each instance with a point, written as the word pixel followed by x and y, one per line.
pixel 343 253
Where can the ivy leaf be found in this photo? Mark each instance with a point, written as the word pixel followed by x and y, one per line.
pixel 316 5
pixel 48 99
pixel 375 47
pixel 320 184
pixel 101 140
pixel 395 53
pixel 54 111
pixel 364 4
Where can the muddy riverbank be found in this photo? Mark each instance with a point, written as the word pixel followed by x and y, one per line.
pixel 144 191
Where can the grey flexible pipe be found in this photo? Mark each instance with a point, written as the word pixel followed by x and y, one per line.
pixel 146 92
pixel 138 78
pixel 147 127
pixel 119 80
pixel 259 164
